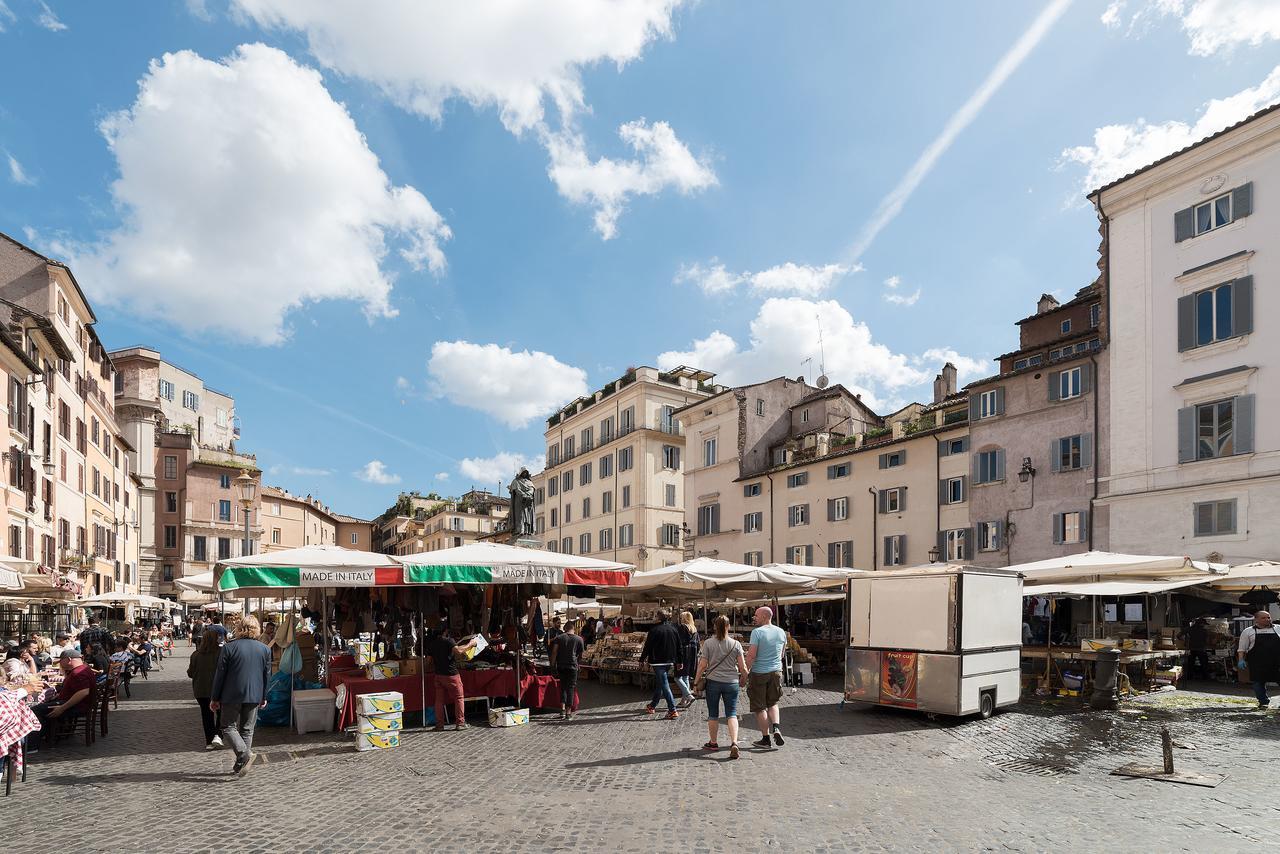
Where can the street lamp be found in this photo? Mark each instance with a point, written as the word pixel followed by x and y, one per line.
pixel 247 489
pixel 1027 471
pixel 934 554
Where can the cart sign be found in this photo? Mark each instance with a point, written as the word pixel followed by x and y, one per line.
pixel 898 679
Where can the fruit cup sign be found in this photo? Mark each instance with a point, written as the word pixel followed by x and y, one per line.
pixel 898 679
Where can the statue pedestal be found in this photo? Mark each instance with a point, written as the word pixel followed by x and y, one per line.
pixel 525 543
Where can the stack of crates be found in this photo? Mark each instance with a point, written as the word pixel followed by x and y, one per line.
pixel 379 720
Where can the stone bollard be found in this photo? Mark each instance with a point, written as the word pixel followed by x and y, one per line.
pixel 1105 676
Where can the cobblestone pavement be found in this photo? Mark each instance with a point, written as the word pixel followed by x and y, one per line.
pixel 612 779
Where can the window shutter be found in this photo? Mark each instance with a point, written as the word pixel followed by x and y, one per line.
pixel 831 472
pixel 964 487
pixel 902 499
pixel 1187 434
pixel 1057 528
pixel 808 555
pixel 807 516
pixel 831 509
pixel 848 554
pixel 1184 224
pixel 1242 201
pixel 1000 401
pixel 1242 306
pixel 1000 464
pixel 969 541
pixel 999 532
pixel 884 560
pixel 902 549
pixel 1186 322
pixel 944 449
pixel 1086 450
pixel 1244 424
pixel 903 454
pixel 942 545
pixel 1086 378
pixel 1055 384
pixel 831 554
pixel 884 461
pixel 942 491
pixel 974 468
pixel 1055 454
pixel 964 444
pixel 883 499
pixel 791 517
pixel 973 406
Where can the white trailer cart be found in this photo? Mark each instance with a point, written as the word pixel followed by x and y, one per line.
pixel 943 639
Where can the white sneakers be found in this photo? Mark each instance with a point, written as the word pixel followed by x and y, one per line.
pixel 215 744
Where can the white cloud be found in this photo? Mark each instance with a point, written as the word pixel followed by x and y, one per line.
pixel 17 174
pixel 895 297
pixel 6 16
pixel 1119 149
pixel 246 192
pixel 199 9
pixel 514 387
pixel 787 277
pixel 48 19
pixel 500 468
pixel 303 471
pixel 968 368
pixel 376 472
pixel 785 333
pixel 893 203
pixel 514 57
pixel 663 162
pixel 403 384
pixel 442 475
pixel 1211 25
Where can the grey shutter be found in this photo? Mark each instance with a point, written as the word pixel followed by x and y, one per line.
pixel 1086 378
pixel 1000 401
pixel 975 469
pixel 884 461
pixel 1086 450
pixel 1187 434
pixel 942 491
pixel 791 517
pixel 1000 464
pixel 881 504
pixel 999 533
pixel 1186 322
pixel 831 472
pixel 902 499
pixel 715 518
pixel 1055 384
pixel 884 560
pixel 1055 454
pixel 808 555
pixel 903 452
pixel 1242 306
pixel 1184 224
pixel 902 549
pixel 973 406
pixel 848 554
pixel 807 515
pixel 1084 528
pixel 831 509
pixel 831 554
pixel 1244 424
pixel 942 545
pixel 964 487
pixel 944 448
pixel 1242 201
pixel 1057 528
pixel 969 542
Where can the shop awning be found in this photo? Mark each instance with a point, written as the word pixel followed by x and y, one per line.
pixel 494 563
pixel 1090 567
pixel 199 583
pixel 827 577
pixel 141 600
pixel 9 579
pixel 693 578
pixel 309 566
pixel 1246 576
pixel 1109 588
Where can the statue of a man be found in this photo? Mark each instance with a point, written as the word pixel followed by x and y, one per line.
pixel 522 504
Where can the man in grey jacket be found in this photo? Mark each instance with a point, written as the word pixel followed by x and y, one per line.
pixel 240 684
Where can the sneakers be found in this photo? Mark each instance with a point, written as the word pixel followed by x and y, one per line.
pixel 777 735
pixel 733 751
pixel 459 727
pixel 217 741
pixel 242 766
pixel 763 742
pixel 211 746
pixel 438 728
pixel 672 715
pixel 648 710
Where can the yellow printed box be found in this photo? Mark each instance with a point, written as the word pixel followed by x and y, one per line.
pixel 363 652
pixel 382 670
pixel 379 704
pixel 389 722
pixel 377 740
pixel 1096 644
pixel 508 717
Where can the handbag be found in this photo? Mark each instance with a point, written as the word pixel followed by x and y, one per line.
pixel 701 683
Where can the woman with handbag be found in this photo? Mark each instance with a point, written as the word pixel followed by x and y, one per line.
pixel 722 669
pixel 688 662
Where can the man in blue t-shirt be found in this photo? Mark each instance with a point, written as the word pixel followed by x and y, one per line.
pixel 764 685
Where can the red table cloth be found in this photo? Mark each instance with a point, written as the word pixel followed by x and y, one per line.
pixel 537 692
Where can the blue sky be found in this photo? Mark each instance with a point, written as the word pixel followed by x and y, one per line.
pixel 401 235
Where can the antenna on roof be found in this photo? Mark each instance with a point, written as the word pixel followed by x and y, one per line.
pixel 806 374
pixel 823 381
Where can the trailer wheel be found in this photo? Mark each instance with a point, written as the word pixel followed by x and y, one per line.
pixel 986 704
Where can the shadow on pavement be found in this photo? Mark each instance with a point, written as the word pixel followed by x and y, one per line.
pixel 665 756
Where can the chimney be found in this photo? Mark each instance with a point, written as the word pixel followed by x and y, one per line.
pixel 1046 303
pixel 944 384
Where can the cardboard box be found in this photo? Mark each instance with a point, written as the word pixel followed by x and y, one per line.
pixel 380 703
pixel 1097 644
pixel 382 670
pixel 363 651
pixel 409 667
pixel 377 740
pixel 1136 644
pixel 508 716
pixel 389 722
pixel 481 646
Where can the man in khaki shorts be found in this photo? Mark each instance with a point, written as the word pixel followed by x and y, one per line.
pixel 764 685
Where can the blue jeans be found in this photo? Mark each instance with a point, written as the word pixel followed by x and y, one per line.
pixel 683 683
pixel 1260 691
pixel 717 691
pixel 662 687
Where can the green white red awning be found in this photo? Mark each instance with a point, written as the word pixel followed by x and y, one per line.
pixel 492 563
pixel 309 566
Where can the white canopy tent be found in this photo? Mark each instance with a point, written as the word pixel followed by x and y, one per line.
pixel 703 575
pixel 199 583
pixel 1109 588
pixel 1246 576
pixel 827 577
pixel 1057 575
pixel 495 563
pixel 9 579
pixel 140 600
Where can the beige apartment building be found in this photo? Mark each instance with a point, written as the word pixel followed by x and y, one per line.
pixel 784 472
pixel 419 523
pixel 291 521
pixel 614 485
pixel 354 533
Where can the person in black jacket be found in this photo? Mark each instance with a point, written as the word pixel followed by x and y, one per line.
pixel 240 684
pixel 662 652
pixel 688 664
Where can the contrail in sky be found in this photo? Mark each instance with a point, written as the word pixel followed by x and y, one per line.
pixel 894 202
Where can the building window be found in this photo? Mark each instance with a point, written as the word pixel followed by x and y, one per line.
pixel 1215 428
pixel 566 545
pixel 752 523
pixel 275 536
pixel 568 510
pixel 626 536
pixel 837 470
pixel 800 555
pixel 804 416
pixel 606 466
pixel 800 478
pixel 553 455
pixel 566 481
pixel 957 545
pixel 989 467
pixel 989 536
pixel 224 510
pixel 624 459
pixel 670 535
pixel 991 403
pixel 797 514
pixel 170 468
pixel 1069 383
pixel 779 456
pixel 708 519
pixel 568 448
pixel 554 522
pixel 837 509
pixel 753 558
pixel 167 572
pixel 191 400
pixel 170 536
pixel 606 430
pixel 584 473
pixel 1213 313
pixel 759 406
pixel 199 551
pixel 895 550
pixel 1214 214
pixel 670 457
pixel 224 481
pixel 840 554
pixel 171 502
pixel 584 544
pixel 1066 326
pixel 627 421
pixel 893 460
pixel 750 490
pixel 1072 453
pixel 355 538
pixel 709 451
pixel 955 490
pixel 585 438
pixel 1095 315
pixel 606 537
pixel 1070 527
pixel 1028 362
pixel 626 497
pixel 606 502
pixel 166 390
pixel 586 508
pixel 892 500
pixel 553 485
pixel 669 495
pixel 1214 518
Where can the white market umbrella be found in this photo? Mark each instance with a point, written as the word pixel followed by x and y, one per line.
pixel 494 563
pixel 199 583
pixel 9 579
pixel 1094 567
pixel 704 574
pixel 1246 576
pixel 141 600
pixel 827 577
pixel 308 566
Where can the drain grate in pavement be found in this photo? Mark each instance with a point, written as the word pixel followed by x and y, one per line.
pixel 1029 766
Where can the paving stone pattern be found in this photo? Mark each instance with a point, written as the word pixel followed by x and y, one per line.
pixel 848 779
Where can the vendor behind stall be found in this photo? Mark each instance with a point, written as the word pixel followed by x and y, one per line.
pixel 448 681
pixel 1260 652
